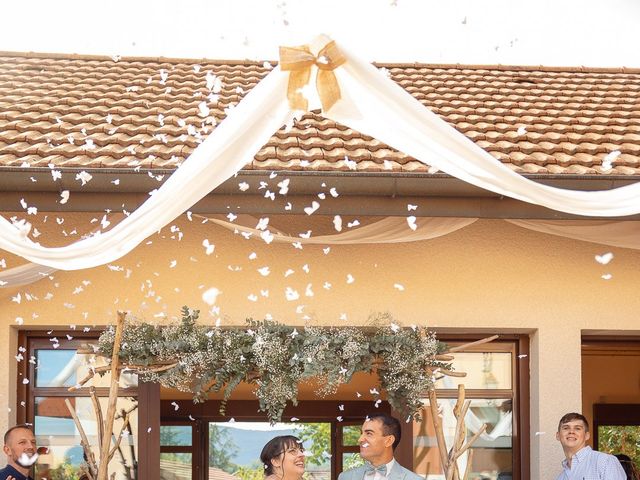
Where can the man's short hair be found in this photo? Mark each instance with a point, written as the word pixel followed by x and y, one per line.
pixel 569 417
pixel 390 426
pixel 22 426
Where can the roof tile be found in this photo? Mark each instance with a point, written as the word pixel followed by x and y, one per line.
pixel 82 112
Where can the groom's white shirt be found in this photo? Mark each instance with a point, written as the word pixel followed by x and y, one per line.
pixel 396 472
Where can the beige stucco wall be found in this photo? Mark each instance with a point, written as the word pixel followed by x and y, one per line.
pixel 492 276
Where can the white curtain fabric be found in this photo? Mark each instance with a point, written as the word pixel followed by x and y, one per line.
pixel 232 144
pixel 390 230
pixel 371 104
pixel 387 230
pixel 374 105
pixel 615 234
pixel 24 275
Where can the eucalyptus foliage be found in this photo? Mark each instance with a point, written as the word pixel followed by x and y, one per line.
pixel 275 358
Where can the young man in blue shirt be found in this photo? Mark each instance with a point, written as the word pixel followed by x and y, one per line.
pixel 581 461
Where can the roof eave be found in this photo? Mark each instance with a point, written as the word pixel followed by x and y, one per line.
pixel 362 193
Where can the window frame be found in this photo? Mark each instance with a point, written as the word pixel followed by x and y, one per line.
pixel 518 346
pixel 33 340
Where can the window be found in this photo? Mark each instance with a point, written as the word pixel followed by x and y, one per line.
pixel 50 365
pixel 492 384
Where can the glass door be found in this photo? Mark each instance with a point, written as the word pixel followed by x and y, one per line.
pixel 234 448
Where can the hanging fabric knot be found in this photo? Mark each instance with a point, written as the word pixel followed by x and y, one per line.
pixel 299 61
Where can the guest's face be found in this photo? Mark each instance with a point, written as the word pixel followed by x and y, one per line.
pixel 21 440
pixel 290 463
pixel 374 444
pixel 573 435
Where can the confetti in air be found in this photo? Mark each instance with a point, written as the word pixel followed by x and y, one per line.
pixel 607 162
pixel 605 258
pixel 211 295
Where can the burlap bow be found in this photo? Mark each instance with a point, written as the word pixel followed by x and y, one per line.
pixel 298 61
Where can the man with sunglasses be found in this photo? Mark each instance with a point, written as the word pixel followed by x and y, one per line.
pixel 380 437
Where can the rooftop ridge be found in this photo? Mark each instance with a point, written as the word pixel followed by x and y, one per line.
pixel 458 66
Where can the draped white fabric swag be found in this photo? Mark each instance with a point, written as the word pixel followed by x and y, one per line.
pixel 372 104
pixel 390 230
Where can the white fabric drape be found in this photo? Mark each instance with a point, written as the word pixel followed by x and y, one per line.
pixel 616 234
pixel 24 275
pixel 371 104
pixel 374 105
pixel 388 230
pixel 392 230
pixel 232 144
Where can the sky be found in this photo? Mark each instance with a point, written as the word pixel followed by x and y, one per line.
pixel 595 33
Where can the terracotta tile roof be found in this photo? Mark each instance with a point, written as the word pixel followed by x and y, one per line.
pixel 80 111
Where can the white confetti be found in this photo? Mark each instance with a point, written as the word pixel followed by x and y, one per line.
pixel 411 221
pixel 203 109
pixel 243 186
pixel 607 276
pixel 350 278
pixel 283 186
pixel 252 297
pixel 84 177
pixel 291 294
pixel 398 286
pixel 211 295
pixel 26 461
pixel 314 206
pixel 411 207
pixel 264 271
pixel 337 223
pixel 267 236
pixel 25 381
pixel 605 258
pixel 521 131
pixel 262 223
pixel 208 247
pixel 609 159
pixel 333 192
pixel 64 196
pixel 350 163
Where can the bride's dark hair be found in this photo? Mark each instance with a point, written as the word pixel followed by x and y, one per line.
pixel 276 447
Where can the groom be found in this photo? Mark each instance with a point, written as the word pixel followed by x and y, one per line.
pixel 380 437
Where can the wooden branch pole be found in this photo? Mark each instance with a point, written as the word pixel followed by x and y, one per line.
pixel 86 446
pixel 105 444
pixel 449 457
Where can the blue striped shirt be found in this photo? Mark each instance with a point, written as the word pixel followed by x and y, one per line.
pixel 587 464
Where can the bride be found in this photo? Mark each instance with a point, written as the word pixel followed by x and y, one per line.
pixel 283 458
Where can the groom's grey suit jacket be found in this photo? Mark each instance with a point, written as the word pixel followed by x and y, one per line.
pixel 398 472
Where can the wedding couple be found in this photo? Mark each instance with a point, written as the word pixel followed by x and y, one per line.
pixel 283 456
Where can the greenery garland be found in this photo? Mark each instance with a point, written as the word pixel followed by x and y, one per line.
pixel 275 358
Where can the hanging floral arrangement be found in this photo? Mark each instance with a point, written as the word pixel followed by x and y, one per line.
pixel 275 358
